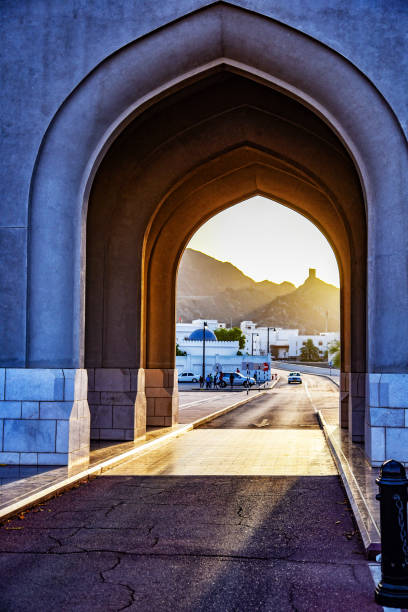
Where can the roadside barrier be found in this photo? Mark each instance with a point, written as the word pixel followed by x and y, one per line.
pixel 392 590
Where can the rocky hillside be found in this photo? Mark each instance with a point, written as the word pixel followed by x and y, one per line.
pixel 215 289
pixel 218 290
pixel 306 308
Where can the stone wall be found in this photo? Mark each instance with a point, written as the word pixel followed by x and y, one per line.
pixel 387 418
pixel 162 397
pixel 117 403
pixel 44 416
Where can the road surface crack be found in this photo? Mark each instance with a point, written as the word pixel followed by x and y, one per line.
pixel 112 508
pixel 129 589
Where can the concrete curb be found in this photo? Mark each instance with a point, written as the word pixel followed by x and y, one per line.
pixel 328 378
pixel 68 482
pixel 365 521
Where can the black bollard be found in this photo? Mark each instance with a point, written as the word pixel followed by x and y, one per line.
pixel 392 590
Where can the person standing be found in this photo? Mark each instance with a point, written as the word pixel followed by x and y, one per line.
pixel 216 381
pixel 231 377
pixel 201 382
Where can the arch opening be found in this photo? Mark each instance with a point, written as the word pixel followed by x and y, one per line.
pixel 253 273
pixel 199 151
pixel 223 146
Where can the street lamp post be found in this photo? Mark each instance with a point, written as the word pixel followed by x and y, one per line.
pixel 268 347
pixel 204 326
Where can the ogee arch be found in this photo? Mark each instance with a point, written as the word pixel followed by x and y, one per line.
pixel 145 73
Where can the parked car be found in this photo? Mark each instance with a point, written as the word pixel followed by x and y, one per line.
pixel 187 377
pixel 294 377
pixel 239 379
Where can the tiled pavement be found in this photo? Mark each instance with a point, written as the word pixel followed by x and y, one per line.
pixel 20 482
pixel 245 452
pixel 357 475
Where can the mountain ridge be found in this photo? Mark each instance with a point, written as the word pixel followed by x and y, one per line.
pixel 210 288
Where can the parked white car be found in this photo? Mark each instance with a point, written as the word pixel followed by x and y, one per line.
pixel 187 377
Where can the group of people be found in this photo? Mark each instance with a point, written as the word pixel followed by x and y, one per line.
pixel 212 382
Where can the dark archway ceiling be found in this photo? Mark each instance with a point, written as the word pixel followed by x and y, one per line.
pixel 158 170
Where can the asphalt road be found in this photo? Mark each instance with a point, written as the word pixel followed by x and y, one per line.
pixel 216 542
pixel 286 406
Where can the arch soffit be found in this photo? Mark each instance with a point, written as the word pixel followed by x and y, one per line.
pixel 237 175
pixel 192 204
pixel 126 83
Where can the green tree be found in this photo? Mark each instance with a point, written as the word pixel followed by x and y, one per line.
pixel 180 353
pixel 232 335
pixel 335 353
pixel 309 352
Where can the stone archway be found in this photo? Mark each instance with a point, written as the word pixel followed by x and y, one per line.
pixel 135 79
pixel 197 152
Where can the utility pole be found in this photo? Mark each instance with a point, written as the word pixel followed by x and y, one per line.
pixel 204 326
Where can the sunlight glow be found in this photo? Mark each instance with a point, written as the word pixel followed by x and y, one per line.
pixel 268 241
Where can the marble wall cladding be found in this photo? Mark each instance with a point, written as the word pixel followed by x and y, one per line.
pixel 2 382
pixel 116 403
pixel 44 416
pixel 388 390
pixel 161 389
pixel 387 418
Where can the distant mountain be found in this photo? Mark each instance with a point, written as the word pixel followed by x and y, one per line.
pixel 304 309
pixel 214 289
pixel 200 274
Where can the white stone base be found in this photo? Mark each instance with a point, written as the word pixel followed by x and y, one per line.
pixel 386 427
pixel 44 416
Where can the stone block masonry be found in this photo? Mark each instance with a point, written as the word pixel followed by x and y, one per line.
pixel 117 403
pixel 386 433
pixel 161 388
pixel 44 416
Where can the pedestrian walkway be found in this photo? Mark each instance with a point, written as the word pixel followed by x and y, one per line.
pixel 192 408
pixel 357 475
pixel 240 515
pixel 24 485
pixel 261 452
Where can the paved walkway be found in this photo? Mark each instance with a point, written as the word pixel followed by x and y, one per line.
pixel 222 518
pixel 194 406
pixel 358 476
pixel 19 483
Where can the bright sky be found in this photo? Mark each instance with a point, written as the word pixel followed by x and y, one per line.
pixel 268 241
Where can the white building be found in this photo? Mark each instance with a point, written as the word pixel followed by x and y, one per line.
pixel 184 330
pixel 282 343
pixel 220 355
